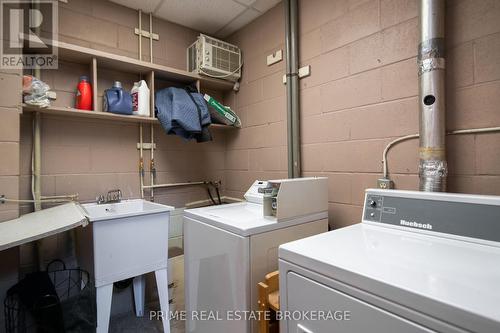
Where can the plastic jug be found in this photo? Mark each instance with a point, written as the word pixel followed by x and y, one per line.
pixel 116 100
pixel 140 99
pixel 84 94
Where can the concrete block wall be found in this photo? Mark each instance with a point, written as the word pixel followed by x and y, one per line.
pixel 91 157
pixel 10 81
pixel 361 94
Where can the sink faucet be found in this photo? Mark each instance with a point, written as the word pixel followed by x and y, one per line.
pixel 111 196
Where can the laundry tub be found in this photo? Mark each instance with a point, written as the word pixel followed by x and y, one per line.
pixel 125 240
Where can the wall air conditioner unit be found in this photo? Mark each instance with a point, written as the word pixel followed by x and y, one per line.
pixel 212 57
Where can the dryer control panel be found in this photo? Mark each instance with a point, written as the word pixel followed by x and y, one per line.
pixel 464 215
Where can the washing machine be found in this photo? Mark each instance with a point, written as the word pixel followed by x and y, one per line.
pixel 229 248
pixel 417 262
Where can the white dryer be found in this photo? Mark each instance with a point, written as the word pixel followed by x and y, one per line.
pixel 228 249
pixel 418 262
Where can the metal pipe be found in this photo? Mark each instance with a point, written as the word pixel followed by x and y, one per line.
pixel 140 34
pixel 175 185
pixel 415 136
pixel 433 168
pixel 37 161
pixel 151 37
pixel 292 88
pixel 152 164
pixel 141 162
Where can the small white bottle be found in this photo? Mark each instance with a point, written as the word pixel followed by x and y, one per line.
pixel 140 99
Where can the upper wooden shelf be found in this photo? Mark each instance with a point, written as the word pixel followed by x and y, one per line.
pixel 80 54
pixel 72 112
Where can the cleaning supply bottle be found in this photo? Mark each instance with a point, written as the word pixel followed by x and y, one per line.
pixel 116 100
pixel 140 98
pixel 84 94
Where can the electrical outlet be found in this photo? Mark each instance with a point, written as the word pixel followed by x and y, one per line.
pixel 385 183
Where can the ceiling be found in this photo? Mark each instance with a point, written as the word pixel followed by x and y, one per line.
pixel 218 18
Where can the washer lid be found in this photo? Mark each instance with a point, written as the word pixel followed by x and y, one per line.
pixel 245 218
pixel 454 280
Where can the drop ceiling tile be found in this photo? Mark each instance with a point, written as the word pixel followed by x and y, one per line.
pixel 245 2
pixel 264 5
pixel 147 6
pixel 243 19
pixel 206 16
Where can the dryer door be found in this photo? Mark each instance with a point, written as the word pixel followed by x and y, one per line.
pixel 316 308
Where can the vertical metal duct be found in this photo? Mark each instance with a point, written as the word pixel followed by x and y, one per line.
pixel 431 72
pixel 292 88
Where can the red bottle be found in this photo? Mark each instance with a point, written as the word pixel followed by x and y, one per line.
pixel 84 94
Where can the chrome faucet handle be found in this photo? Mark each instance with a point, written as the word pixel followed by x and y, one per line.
pixel 114 196
pixel 100 199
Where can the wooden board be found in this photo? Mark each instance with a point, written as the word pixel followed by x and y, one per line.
pixel 72 112
pixel 43 223
pixel 80 54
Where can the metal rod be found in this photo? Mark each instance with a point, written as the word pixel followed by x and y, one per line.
pixel 292 91
pixel 294 80
pixel 415 136
pixel 433 168
pixel 175 185
pixel 140 34
pixel 37 160
pixel 151 37
pixel 152 164
pixel 141 162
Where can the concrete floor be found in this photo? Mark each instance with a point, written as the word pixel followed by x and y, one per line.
pixel 129 323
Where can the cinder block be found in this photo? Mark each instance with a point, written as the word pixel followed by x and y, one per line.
pixel 313 157
pixel 339 187
pixel 475 106
pixel 341 215
pixel 390 119
pixel 10 86
pixel 327 67
pixel 356 90
pixel 318 12
pixel 10 158
pixel 357 23
pixel 461 154
pixel 249 93
pixel 395 11
pixel 460 65
pixel 400 80
pixel 487 59
pixel 354 156
pixel 487 152
pixel 9 125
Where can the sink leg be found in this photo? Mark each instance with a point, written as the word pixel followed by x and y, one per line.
pixel 139 293
pixel 104 295
pixel 162 285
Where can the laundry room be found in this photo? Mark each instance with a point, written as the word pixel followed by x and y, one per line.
pixel 250 166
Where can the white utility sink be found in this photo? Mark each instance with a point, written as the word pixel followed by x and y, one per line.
pixel 125 208
pixel 125 240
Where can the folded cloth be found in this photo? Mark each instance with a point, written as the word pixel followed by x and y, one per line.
pixel 184 113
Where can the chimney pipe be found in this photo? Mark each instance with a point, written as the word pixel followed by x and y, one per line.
pixel 433 168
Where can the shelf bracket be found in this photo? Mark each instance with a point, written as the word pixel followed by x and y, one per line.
pixel 146 34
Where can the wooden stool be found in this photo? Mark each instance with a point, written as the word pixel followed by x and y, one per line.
pixel 269 300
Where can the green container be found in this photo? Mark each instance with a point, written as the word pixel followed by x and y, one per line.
pixel 222 114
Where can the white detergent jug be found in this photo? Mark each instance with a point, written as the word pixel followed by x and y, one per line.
pixel 140 99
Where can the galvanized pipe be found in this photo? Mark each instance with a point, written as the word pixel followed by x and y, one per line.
pixel 292 88
pixel 433 168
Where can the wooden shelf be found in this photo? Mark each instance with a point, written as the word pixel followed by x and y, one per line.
pixel 72 112
pixel 84 55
